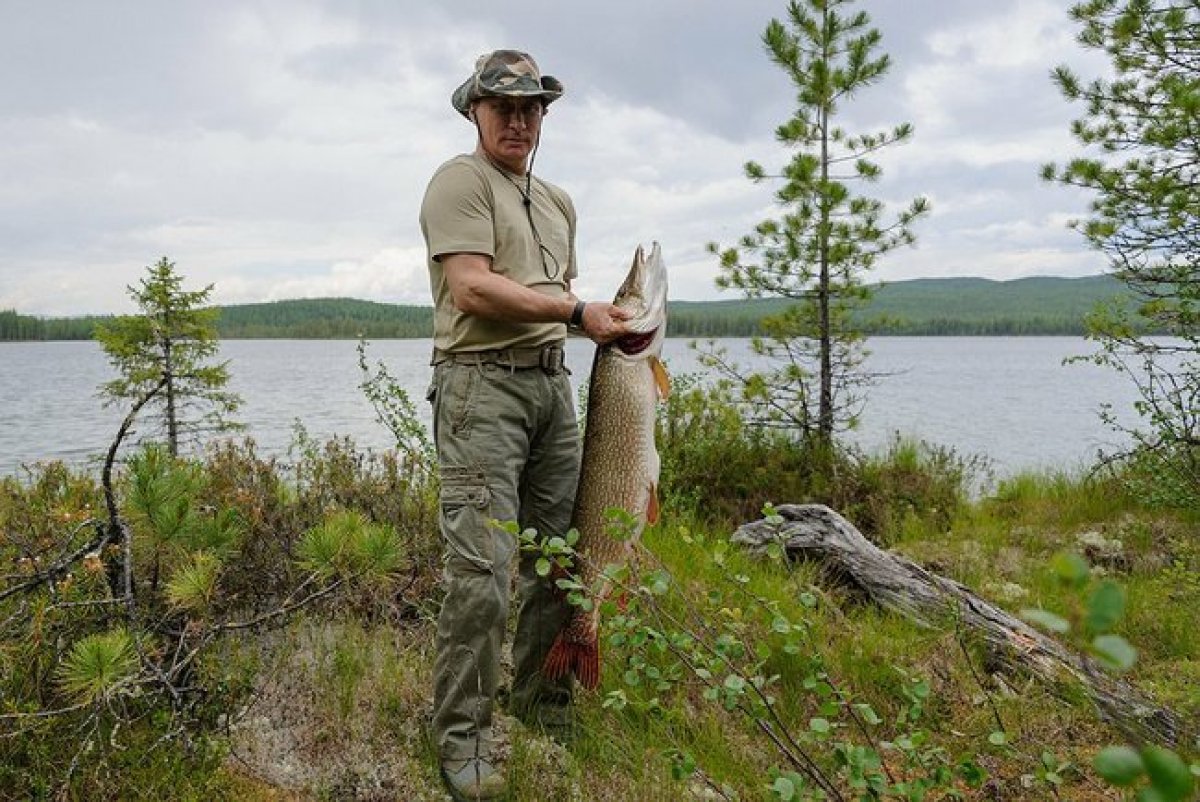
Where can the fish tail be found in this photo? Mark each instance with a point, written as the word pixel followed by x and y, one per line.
pixel 571 656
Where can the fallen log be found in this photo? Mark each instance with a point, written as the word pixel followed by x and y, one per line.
pixel 815 532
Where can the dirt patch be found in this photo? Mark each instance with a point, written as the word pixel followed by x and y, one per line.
pixel 339 713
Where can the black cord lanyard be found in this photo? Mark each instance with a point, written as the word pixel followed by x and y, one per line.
pixel 527 202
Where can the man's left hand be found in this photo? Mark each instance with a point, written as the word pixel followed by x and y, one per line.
pixel 604 322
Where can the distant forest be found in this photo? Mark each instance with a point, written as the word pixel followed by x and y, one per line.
pixel 932 307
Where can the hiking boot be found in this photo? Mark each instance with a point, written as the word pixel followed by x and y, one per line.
pixel 473 779
pixel 555 721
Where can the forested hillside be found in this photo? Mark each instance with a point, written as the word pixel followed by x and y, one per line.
pixel 942 306
pixel 14 326
pixel 325 318
pixel 1039 305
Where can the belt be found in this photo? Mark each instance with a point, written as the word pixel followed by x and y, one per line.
pixel 547 357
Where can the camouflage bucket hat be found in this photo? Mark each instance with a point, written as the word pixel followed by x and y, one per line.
pixel 505 73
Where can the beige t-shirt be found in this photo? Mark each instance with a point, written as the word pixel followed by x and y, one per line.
pixel 471 206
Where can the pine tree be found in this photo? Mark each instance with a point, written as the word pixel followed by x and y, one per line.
pixel 165 351
pixel 1141 125
pixel 828 237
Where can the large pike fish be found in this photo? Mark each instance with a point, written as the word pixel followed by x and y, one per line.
pixel 620 463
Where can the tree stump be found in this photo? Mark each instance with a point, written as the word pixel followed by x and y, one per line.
pixel 816 532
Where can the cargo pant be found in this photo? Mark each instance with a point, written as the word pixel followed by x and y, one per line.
pixel 508 449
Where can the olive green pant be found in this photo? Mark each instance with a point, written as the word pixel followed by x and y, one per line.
pixel 508 450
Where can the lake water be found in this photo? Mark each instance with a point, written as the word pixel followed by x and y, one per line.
pixel 1008 398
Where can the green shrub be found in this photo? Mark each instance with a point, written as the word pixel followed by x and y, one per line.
pixel 1166 478
pixel 1069 498
pixel 911 488
pixel 100 686
pixel 721 468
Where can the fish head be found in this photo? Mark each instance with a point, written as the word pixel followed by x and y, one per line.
pixel 644 295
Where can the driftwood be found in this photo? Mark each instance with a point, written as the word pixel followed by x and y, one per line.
pixel 815 532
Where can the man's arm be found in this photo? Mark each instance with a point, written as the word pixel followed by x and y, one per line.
pixel 478 291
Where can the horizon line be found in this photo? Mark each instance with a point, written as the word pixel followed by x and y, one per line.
pixel 430 305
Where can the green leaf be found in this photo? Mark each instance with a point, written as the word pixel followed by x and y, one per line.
pixel 1046 620
pixel 97 664
pixel 819 725
pixel 514 529
pixel 683 765
pixel 998 738
pixel 542 566
pixel 375 548
pixel 659 583
pixel 784 788
pixel 1169 775
pixel 1071 568
pixel 193 585
pixel 1119 765
pixel 868 714
pixel 1105 607
pixel 972 773
pixel 322 549
pixel 1114 652
pixel 318 551
pixel 220 534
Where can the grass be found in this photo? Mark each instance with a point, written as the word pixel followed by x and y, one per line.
pixel 627 754
pixel 337 703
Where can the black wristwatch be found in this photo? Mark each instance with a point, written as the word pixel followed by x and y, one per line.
pixel 576 321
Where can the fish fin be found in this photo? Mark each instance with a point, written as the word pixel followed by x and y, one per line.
pixel 558 660
pixel 652 508
pixel 660 377
pixel 569 657
pixel 587 667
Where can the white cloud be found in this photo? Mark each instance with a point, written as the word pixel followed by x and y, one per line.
pixel 397 274
pixel 1029 33
pixel 669 181
pixel 282 148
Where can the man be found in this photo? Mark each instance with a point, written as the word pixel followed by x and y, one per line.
pixel 501 246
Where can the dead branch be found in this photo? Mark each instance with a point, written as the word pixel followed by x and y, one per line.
pixel 815 532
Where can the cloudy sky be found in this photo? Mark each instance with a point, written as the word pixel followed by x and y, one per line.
pixel 280 149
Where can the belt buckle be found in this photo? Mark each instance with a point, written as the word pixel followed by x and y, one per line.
pixel 551 359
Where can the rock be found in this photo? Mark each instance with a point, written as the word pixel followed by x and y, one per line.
pixel 1101 551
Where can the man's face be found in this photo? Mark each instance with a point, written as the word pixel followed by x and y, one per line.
pixel 508 128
